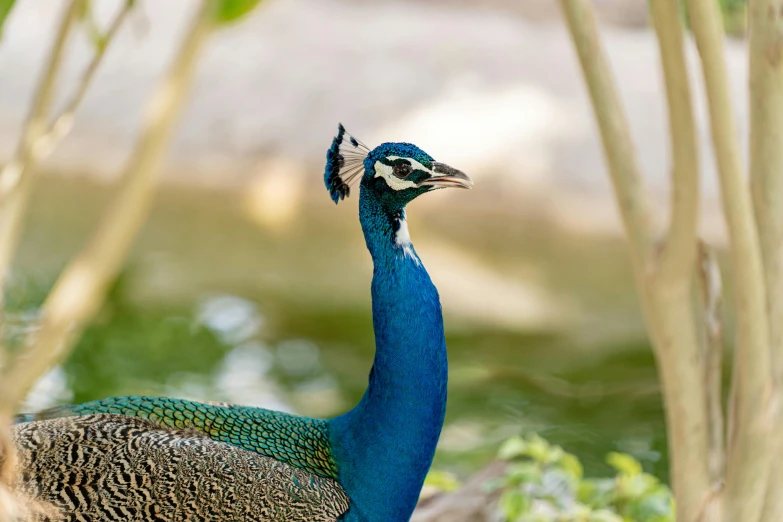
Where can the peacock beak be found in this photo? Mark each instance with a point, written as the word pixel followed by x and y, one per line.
pixel 445 176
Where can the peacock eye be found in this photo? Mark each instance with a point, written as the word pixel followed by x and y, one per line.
pixel 402 170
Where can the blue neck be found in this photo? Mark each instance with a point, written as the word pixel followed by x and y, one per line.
pixel 385 445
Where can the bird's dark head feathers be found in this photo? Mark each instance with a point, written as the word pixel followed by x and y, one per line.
pixel 396 172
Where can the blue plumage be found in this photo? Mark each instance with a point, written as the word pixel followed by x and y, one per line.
pixel 385 445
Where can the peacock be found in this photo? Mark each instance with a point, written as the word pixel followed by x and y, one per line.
pixel 164 459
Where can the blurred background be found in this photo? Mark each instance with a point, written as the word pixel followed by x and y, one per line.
pixel 248 285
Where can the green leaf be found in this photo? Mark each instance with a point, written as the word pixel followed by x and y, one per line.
pixel 624 463
pixel 523 473
pixel 571 465
pixel 655 505
pixel 513 504
pixel 539 449
pixel 596 493
pixel 441 480
pixel 635 486
pixel 513 448
pixel 554 454
pixel 5 9
pixel 229 11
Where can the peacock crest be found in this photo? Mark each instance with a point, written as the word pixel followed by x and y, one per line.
pixel 344 164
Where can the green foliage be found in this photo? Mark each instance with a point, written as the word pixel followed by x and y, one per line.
pixel 544 483
pixel 514 504
pixel 5 9
pixel 441 481
pixel 229 11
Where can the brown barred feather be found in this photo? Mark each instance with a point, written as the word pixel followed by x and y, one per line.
pixel 111 467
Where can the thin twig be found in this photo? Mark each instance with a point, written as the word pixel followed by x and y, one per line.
pixel 61 125
pixel 14 191
pixel 749 452
pixel 81 288
pixel 17 173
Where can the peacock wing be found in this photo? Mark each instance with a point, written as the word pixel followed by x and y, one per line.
pixel 112 467
pixel 299 441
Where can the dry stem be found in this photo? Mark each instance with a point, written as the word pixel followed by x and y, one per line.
pixel 749 442
pixel 675 333
pixel 17 177
pixel 679 253
pixel 62 124
pixel 766 155
pixel 766 167
pixel 18 172
pixel 614 128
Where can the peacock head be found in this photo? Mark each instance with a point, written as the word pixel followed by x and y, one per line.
pixel 395 173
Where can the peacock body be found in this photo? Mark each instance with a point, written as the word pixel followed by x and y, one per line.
pixel 161 459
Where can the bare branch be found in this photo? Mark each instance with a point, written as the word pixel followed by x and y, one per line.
pixel 80 290
pixel 17 172
pixel 615 132
pixel 672 324
pixel 14 190
pixel 748 456
pixel 62 124
pixel 664 290
pixel 766 167
pixel 679 252
pixel 676 333
pixel 766 155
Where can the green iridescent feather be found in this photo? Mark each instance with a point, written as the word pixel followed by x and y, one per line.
pixel 299 441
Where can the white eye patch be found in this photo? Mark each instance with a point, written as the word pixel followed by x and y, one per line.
pixel 395 183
